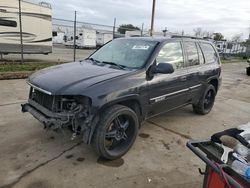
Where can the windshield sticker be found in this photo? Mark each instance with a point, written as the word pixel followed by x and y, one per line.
pixel 140 47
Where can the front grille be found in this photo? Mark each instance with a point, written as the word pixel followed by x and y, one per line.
pixel 43 99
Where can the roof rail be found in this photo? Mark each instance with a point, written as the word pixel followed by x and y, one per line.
pixel 187 36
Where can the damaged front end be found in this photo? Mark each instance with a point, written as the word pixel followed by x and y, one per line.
pixel 59 111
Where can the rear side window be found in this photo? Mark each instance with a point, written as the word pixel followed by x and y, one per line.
pixel 192 53
pixel 209 53
pixel 8 23
pixel 171 53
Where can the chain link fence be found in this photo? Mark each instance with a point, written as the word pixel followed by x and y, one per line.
pixel 70 40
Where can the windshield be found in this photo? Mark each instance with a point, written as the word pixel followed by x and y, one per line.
pixel 131 53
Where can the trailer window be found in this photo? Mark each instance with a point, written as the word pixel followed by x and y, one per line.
pixel 65 38
pixel 8 23
pixel 54 33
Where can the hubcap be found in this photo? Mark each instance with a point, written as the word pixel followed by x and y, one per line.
pixel 209 99
pixel 117 133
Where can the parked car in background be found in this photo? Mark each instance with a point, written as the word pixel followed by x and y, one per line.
pixel 107 96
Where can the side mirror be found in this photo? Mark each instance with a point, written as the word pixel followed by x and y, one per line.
pixel 164 68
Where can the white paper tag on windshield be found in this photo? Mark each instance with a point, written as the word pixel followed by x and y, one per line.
pixel 140 47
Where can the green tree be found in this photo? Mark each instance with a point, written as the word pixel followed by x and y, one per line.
pixel 218 36
pixel 127 27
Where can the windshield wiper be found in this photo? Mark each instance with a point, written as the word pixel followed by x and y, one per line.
pixel 94 60
pixel 107 62
pixel 115 64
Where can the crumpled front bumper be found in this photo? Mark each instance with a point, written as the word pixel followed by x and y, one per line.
pixel 48 118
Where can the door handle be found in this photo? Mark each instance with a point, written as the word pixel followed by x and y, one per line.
pixel 183 78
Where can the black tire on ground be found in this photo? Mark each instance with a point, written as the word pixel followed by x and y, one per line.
pixel 206 102
pixel 248 71
pixel 116 132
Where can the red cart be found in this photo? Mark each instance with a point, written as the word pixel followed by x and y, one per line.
pixel 217 174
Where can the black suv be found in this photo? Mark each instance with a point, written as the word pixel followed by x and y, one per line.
pixel 107 96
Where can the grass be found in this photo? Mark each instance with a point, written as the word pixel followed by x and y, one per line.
pixel 231 61
pixel 16 67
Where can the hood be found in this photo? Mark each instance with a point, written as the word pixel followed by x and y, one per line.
pixel 78 75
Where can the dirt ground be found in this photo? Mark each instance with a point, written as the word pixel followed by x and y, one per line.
pixel 33 158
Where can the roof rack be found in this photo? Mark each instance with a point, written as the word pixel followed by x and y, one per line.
pixel 187 36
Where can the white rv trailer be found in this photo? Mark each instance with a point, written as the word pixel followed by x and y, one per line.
pixel 85 38
pixel 58 37
pixel 134 33
pixel 228 47
pixel 36 27
pixel 103 38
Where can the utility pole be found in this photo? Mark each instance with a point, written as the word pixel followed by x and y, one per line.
pixel 142 25
pixel 75 38
pixel 21 30
pixel 152 18
pixel 249 34
pixel 114 28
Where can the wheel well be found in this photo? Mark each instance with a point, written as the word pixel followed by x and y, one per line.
pixel 131 103
pixel 134 105
pixel 214 82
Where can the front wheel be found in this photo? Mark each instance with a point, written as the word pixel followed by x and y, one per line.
pixel 116 132
pixel 206 102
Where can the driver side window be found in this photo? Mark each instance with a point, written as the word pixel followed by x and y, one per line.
pixel 171 53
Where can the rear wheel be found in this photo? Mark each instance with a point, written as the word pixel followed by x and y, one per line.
pixel 206 102
pixel 248 71
pixel 116 132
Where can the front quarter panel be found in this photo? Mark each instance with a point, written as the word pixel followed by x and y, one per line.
pixel 126 87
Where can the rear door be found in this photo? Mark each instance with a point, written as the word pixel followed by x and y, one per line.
pixel 168 91
pixel 194 63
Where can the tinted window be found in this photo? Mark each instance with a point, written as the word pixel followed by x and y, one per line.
pixel 171 53
pixel 192 54
pixel 209 53
pixel 8 23
pixel 201 57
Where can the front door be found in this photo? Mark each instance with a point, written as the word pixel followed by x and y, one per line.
pixel 168 91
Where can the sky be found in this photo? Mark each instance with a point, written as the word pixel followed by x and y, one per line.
pixel 229 17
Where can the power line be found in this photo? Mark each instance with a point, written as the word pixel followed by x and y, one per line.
pixel 91 24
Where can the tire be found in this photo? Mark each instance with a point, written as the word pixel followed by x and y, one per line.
pixel 248 71
pixel 206 102
pixel 116 132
